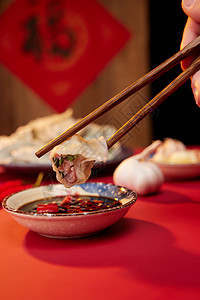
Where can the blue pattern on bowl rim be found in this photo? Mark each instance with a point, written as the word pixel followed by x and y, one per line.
pixel 108 189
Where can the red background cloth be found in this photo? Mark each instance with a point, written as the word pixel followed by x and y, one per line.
pixel 152 253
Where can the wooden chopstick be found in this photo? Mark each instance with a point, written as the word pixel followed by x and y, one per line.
pixel 190 49
pixel 157 100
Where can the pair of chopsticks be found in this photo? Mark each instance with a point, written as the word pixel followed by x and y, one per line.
pixel 191 49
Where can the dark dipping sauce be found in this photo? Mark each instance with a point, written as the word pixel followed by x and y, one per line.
pixel 70 204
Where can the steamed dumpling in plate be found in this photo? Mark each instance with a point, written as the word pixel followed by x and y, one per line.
pixel 166 148
pixel 185 157
pixel 173 151
pixel 73 160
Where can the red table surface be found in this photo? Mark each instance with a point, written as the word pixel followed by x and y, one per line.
pixel 152 253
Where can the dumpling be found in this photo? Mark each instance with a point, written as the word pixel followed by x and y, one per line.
pixel 73 160
pixel 185 157
pixel 168 147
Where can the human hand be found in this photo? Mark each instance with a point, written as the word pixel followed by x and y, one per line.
pixel 191 31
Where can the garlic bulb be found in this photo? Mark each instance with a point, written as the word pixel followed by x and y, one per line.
pixel 143 177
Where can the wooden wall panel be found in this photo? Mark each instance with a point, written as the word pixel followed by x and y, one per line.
pixel 19 103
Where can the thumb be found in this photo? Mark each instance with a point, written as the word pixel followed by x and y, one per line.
pixel 192 9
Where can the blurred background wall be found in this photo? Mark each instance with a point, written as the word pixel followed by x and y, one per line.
pixel 20 103
pixel 155 35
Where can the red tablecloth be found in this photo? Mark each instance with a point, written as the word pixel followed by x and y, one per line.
pixel 152 253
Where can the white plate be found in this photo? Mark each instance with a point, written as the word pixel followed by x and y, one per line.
pixel 179 171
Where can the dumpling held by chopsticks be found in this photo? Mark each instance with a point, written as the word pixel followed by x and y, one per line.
pixel 73 159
